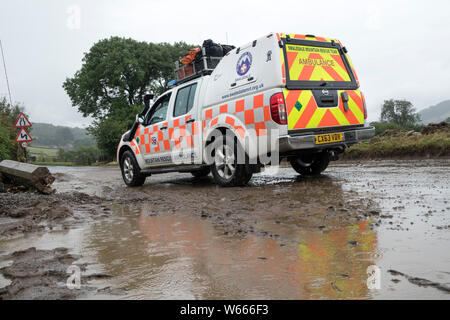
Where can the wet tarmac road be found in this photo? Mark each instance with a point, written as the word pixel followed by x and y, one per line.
pixel 282 237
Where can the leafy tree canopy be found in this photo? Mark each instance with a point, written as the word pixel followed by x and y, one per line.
pixel 114 76
pixel 400 112
pixel 116 72
pixel 85 155
pixel 8 116
pixel 107 131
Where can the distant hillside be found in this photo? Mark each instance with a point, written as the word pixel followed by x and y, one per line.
pixel 437 113
pixel 48 135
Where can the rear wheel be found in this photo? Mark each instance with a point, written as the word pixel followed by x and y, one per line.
pixel 226 170
pixel 131 173
pixel 311 165
pixel 201 173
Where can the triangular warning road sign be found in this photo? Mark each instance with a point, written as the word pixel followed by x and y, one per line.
pixel 22 121
pixel 23 136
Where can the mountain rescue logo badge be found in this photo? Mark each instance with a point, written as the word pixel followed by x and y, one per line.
pixel 244 63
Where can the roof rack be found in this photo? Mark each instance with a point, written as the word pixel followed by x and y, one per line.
pixel 186 72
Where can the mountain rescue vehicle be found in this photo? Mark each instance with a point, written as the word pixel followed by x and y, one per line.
pixel 282 96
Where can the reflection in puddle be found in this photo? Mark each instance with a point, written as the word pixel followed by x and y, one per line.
pixel 179 256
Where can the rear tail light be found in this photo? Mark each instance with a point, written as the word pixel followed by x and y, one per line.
pixel 364 105
pixel 278 108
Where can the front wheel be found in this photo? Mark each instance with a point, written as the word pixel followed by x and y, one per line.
pixel 226 170
pixel 311 165
pixel 131 173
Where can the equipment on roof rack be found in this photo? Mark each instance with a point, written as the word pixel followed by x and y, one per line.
pixel 200 61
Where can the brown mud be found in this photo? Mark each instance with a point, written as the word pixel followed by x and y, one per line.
pixel 283 236
pixel 31 212
pixel 43 274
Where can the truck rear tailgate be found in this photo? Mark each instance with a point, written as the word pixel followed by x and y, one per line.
pixel 321 87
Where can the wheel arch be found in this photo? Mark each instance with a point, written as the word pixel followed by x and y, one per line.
pixel 223 128
pixel 122 150
pixel 233 124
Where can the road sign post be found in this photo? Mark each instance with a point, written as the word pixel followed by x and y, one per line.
pixel 23 136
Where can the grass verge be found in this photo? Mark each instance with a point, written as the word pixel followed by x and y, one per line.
pixel 55 163
pixel 402 144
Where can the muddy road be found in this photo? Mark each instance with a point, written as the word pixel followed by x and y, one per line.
pixel 282 237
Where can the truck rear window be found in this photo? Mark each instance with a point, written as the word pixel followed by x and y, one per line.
pixel 317 65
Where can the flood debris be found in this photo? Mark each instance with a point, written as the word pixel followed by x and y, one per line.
pixel 335 287
pixel 436 127
pixel 18 174
pixel 421 282
pixel 30 218
pixel 44 274
pixel 42 210
pixel 27 212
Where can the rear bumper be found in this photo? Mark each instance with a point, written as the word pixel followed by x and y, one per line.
pixel 291 143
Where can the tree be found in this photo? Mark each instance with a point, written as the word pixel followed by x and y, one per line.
pixel 113 78
pixel 107 131
pixel 86 155
pixel 400 112
pixel 170 54
pixel 8 133
pixel 6 144
pixel 86 142
pixel 62 155
pixel 82 155
pixel 381 127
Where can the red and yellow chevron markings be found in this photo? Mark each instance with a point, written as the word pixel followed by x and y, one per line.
pixel 308 63
pixel 304 113
pixel 338 73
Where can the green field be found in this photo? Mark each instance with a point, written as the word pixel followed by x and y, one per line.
pixel 54 163
pixel 42 151
pixel 41 155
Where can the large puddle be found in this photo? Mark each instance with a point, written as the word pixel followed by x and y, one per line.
pixel 269 240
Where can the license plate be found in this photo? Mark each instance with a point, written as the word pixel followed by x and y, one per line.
pixel 329 138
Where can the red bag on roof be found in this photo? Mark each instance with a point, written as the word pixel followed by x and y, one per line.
pixel 185 71
pixel 190 56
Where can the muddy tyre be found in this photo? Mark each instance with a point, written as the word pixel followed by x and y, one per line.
pixel 225 169
pixel 201 173
pixel 317 164
pixel 131 173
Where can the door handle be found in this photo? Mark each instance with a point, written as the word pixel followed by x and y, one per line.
pixel 190 120
pixel 345 99
pixel 163 128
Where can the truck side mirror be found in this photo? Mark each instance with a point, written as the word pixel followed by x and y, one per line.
pixel 139 119
pixel 147 98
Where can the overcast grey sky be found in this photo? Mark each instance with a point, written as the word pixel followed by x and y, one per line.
pixel 400 48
